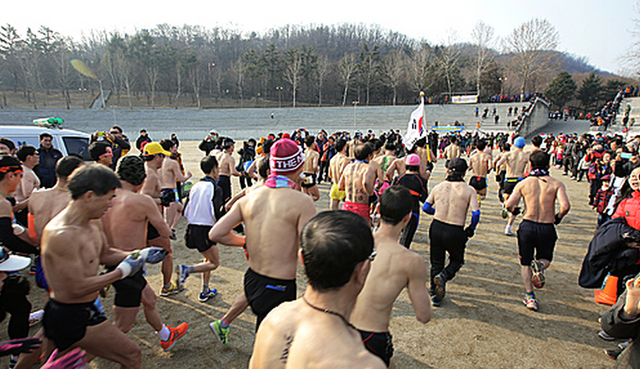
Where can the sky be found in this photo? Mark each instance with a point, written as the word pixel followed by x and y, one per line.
pixel 596 29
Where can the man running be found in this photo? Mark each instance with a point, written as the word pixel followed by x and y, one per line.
pixel 73 247
pixel 480 164
pixel 449 202
pixel 357 181
pixel 274 216
pixel 537 231
pixel 125 225
pixel 227 165
pixel 30 182
pixel 310 168
pixel 394 268
pixel 452 151
pixel 516 162
pixel 336 169
pixel 417 186
pixel 168 173
pixel 336 250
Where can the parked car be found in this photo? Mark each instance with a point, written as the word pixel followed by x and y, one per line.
pixel 66 140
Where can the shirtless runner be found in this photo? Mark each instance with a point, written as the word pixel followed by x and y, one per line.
pixel 274 215
pixel 357 181
pixel 449 202
pixel 73 247
pixel 310 168
pixel 125 225
pixel 394 268
pixel 537 231
pixel 154 155
pixel 336 169
pixel 167 175
pixel 516 162
pixel 336 250
pixel 480 165
pixel 30 182
pixel 452 151
pixel 227 165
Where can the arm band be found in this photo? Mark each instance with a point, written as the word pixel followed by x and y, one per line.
pixel 475 218
pixel 428 208
pixel 13 242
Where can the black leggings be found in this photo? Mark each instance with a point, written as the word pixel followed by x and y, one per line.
pixel 13 300
pixel 446 238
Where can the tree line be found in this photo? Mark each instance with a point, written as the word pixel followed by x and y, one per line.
pixel 323 65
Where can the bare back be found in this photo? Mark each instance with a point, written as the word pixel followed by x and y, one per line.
pixel 151 185
pixel 169 173
pixel 46 204
pixel 226 163
pixel 452 201
pixel 516 162
pixel 311 161
pixel 452 151
pixel 336 167
pixel 480 164
pixel 540 194
pixel 357 181
pixel 274 218
pixel 296 336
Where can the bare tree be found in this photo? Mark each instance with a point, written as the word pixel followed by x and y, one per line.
pixel 482 36
pixel 420 63
pixel 368 67
pixel 630 60
pixel 293 71
pixel 393 67
pixel 239 69
pixel 447 57
pixel 530 45
pixel 320 75
pixel 346 71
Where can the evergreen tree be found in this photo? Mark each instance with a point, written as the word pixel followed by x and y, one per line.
pixel 589 92
pixel 561 89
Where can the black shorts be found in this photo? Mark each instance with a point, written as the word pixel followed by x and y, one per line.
pixel 309 180
pixel 265 294
pixel 197 237
pixel 152 232
pixel 510 184
pixel 225 185
pixel 479 183
pixel 540 237
pixel 379 344
pixel 66 324
pixel 167 196
pixel 129 289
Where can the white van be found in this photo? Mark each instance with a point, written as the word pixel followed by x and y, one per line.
pixel 66 140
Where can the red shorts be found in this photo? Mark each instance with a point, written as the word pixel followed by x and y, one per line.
pixel 360 209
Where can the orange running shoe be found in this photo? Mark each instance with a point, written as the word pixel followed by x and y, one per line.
pixel 176 333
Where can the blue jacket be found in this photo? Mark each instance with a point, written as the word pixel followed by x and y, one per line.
pixel 46 169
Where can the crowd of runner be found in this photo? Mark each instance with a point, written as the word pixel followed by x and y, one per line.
pixel 92 226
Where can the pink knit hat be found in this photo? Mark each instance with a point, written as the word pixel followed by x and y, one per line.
pixel 412 159
pixel 286 157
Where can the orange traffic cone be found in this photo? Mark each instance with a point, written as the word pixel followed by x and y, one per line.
pixel 608 295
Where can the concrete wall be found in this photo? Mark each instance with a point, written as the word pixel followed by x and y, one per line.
pixel 538 118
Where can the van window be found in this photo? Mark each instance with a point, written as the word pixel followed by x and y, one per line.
pixel 77 145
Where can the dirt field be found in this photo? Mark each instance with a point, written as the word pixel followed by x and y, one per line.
pixel 481 324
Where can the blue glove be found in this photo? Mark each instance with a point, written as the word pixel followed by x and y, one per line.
pixel 130 265
pixel 151 255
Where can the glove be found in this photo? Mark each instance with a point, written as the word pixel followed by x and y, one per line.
pixel 72 360
pixel 130 265
pixel 516 211
pixel 19 346
pixel 151 255
pixel 469 232
pixel 558 219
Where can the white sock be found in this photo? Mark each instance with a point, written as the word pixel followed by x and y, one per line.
pixel 507 228
pixel 164 333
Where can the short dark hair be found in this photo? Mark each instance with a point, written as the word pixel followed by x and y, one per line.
pixel 481 144
pixel 412 168
pixel 208 163
pixel 376 143
pixel 10 163
pixel 539 160
pixel 130 169
pixel 362 151
pixel 7 142
pixel 536 141
pixel 66 165
pixel 97 148
pixel 332 244
pixel 117 128
pixel 396 202
pixel 167 144
pixel 309 140
pixel 24 151
pixel 390 146
pixel 453 139
pixel 44 134
pixel 92 177
pixel 263 166
pixel 340 144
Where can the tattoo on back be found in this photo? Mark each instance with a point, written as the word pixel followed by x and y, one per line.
pixel 285 351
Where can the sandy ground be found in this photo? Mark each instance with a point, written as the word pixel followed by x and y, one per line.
pixel 481 324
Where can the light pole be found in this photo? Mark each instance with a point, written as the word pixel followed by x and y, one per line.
pixel 502 79
pixel 209 66
pixel 355 104
pixel 279 89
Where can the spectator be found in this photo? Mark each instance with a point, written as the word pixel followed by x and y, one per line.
pixel 143 139
pixel 49 156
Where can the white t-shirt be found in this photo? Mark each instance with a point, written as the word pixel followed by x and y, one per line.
pixel 199 209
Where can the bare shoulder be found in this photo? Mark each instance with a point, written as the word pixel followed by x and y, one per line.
pixel 5 208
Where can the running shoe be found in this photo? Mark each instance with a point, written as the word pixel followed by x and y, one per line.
pixel 222 334
pixel 439 282
pixel 173 289
pixel 605 336
pixel 176 333
pixel 35 317
pixel 538 274
pixel 435 301
pixel 623 345
pixel 173 235
pixel 204 296
pixel 613 353
pixel 530 302
pixel 13 361
pixel 183 274
pixel 504 213
pixel 507 232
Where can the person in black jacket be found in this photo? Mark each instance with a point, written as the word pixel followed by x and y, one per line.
pixel 417 186
pixel 49 156
pixel 209 143
pixel 143 139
